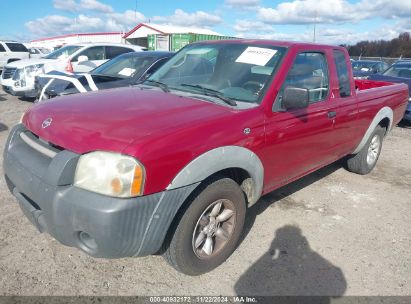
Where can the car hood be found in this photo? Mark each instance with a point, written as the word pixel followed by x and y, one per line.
pixel 64 87
pixel 19 64
pixel 113 119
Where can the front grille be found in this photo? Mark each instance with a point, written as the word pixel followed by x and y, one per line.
pixel 47 143
pixel 40 145
pixel 8 72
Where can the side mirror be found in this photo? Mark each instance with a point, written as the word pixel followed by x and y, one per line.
pixel 82 58
pixel 295 98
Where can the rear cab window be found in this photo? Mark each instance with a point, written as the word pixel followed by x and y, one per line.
pixel 342 73
pixel 16 47
pixel 309 71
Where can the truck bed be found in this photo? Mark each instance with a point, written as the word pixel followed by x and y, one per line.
pixel 364 84
pixel 371 94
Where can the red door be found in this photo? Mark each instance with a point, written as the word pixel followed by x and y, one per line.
pixel 298 141
pixel 347 133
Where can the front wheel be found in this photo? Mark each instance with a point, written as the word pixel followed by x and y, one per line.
pixel 209 229
pixel 364 161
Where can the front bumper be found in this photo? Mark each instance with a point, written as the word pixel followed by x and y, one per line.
pixel 99 225
pixel 407 115
pixel 9 88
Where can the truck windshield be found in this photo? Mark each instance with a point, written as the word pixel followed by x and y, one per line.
pixel 399 70
pixel 63 52
pixel 232 70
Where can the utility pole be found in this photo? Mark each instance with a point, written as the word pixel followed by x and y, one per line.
pixel 315 25
pixel 135 12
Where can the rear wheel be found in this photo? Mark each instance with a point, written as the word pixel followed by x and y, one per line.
pixel 364 161
pixel 209 229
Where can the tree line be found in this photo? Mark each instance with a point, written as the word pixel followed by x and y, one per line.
pixel 395 48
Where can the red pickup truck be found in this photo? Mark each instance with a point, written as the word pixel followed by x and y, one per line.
pixel 171 165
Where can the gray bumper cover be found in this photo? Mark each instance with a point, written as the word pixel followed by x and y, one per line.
pixel 114 227
pixel 30 94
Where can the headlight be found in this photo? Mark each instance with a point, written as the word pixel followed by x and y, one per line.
pixel 33 70
pixel 110 174
pixel 18 74
pixel 19 78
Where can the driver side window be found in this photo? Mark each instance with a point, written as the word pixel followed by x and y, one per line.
pixel 309 71
pixel 92 53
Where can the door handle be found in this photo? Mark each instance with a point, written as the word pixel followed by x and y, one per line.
pixel 331 114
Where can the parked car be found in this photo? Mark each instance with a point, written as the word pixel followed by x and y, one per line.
pixel 399 72
pixel 124 70
pixel 173 163
pixel 38 52
pixel 11 51
pixel 364 68
pixel 18 78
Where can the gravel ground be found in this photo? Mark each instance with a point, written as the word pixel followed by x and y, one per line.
pixel 331 233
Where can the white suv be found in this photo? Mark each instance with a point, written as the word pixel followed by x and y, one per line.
pixel 12 51
pixel 18 77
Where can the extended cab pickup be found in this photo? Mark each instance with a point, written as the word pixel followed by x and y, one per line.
pixel 171 165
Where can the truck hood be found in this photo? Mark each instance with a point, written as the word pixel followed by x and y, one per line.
pixel 111 120
pixel 19 64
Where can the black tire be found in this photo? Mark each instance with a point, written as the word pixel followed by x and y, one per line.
pixel 180 252
pixel 358 163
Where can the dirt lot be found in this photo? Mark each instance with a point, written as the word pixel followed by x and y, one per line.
pixel 331 233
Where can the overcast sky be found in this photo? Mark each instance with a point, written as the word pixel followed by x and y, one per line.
pixel 338 21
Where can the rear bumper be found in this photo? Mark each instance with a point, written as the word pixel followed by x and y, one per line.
pixel 99 225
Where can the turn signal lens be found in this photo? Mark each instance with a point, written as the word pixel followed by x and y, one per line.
pixel 137 185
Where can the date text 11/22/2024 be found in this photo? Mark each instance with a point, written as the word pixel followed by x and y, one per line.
pixel 202 299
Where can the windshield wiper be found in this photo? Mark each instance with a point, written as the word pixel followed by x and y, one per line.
pixel 107 76
pixel 160 84
pixel 211 92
